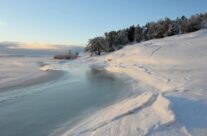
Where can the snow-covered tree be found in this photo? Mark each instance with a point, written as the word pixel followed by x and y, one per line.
pixel 96 45
pixel 173 29
pixel 115 40
pixel 138 34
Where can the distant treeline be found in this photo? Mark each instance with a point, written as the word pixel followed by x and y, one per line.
pixel 115 40
pixel 69 56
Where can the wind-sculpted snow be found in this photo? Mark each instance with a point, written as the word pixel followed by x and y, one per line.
pixel 126 117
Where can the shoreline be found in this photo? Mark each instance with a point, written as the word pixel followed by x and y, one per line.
pixel 66 101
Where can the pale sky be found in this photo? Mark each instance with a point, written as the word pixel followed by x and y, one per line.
pixel 73 22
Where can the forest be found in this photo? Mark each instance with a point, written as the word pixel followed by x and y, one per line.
pixel 115 40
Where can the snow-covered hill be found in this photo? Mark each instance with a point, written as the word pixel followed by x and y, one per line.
pixel 171 94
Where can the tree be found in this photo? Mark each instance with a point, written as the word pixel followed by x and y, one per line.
pixel 204 21
pixel 204 24
pixel 115 40
pixel 131 33
pixel 195 23
pixel 160 30
pixel 138 33
pixel 96 45
pixel 110 40
pixel 145 33
pixel 121 39
pixel 151 30
pixel 173 29
pixel 183 23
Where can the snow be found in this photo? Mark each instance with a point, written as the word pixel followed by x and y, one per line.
pixel 171 93
pixel 126 117
pixel 17 72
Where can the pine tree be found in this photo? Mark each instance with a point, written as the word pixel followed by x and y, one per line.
pixel 115 40
pixel 138 33
pixel 131 33
pixel 173 29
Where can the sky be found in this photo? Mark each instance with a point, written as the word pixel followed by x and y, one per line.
pixel 73 22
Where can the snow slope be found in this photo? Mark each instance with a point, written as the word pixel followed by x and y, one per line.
pixel 171 94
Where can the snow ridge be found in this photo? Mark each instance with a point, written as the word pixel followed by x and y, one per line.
pixel 120 116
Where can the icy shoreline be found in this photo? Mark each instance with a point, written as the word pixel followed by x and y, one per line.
pixel 21 72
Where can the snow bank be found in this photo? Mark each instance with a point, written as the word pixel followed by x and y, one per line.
pixel 163 64
pixel 165 69
pixel 134 116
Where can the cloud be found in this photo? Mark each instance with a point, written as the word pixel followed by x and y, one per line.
pixel 35 49
pixel 34 46
pixel 29 46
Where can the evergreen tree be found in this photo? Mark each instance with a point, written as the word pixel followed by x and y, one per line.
pixel 131 33
pixel 121 38
pixel 173 29
pixel 115 40
pixel 138 34
pixel 110 40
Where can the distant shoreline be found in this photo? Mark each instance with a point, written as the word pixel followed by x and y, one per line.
pixel 25 72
